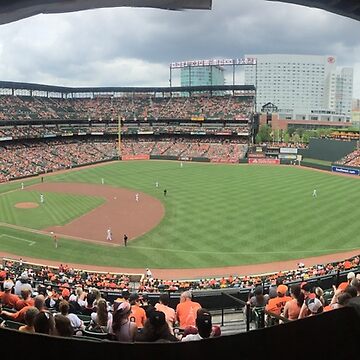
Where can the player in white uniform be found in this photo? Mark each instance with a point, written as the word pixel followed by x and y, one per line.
pixel 137 197
pixel 42 198
pixel 108 234
pixel 314 194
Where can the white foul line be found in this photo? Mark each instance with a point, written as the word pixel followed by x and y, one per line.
pixel 31 243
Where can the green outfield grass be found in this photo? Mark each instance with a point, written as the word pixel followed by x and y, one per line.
pixel 216 215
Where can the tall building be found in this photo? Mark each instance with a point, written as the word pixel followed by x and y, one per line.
pixel 301 84
pixel 202 76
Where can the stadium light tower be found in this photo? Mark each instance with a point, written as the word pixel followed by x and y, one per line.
pixel 119 137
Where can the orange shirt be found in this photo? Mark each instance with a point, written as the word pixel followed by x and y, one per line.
pixel 186 313
pixel 139 315
pixel 8 299
pixel 19 315
pixel 276 305
pixel 170 315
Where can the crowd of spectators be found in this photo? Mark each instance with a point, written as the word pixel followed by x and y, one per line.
pixel 134 107
pixel 31 158
pixel 65 301
pixel 215 149
pixel 36 157
pixel 352 159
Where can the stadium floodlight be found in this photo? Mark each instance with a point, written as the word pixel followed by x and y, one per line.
pixel 13 10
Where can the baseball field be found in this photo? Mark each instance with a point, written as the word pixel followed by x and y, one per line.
pixel 212 216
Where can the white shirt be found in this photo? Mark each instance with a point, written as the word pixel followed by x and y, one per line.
pixel 192 337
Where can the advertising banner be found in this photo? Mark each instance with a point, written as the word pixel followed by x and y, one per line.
pixel 225 161
pixel 286 150
pixel 344 170
pixel 135 157
pixel 287 156
pixel 267 161
pixel 255 155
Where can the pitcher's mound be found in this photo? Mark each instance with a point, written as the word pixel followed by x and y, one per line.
pixel 26 205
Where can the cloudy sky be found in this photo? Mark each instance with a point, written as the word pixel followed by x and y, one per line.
pixel 134 46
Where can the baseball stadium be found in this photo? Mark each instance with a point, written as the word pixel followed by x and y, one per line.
pixel 168 195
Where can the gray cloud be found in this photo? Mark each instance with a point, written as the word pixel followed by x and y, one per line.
pixel 127 46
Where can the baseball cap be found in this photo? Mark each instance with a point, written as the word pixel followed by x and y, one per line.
pixel 8 285
pixel 133 297
pixel 65 292
pixel 24 276
pixel 350 275
pixel 282 289
pixel 157 318
pixel 124 307
pixel 216 330
pixel 203 319
pixel 190 329
pixel 314 305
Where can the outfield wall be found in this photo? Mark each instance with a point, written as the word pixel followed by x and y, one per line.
pixel 328 149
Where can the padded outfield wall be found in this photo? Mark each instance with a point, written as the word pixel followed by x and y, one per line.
pixel 328 149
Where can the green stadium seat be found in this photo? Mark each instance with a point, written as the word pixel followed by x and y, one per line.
pixel 11 324
pixel 85 318
pixel 95 334
pixel 258 316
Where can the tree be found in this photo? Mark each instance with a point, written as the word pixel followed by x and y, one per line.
pixel 264 133
pixel 258 138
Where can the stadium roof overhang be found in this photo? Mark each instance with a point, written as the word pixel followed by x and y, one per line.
pixel 13 10
pixel 116 89
pixel 348 8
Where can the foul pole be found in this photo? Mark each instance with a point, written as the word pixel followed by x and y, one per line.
pixel 119 137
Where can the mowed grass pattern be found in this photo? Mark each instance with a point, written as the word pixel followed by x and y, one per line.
pixel 216 215
pixel 58 209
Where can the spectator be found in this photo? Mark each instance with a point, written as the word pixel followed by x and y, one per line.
pixel 76 322
pixel 25 300
pixel 170 315
pixel 101 319
pixel 203 325
pixel 292 308
pixel 138 314
pixel 123 329
pixel 19 316
pixel 7 298
pixel 21 283
pixel 29 318
pixel 186 310
pixel 44 323
pixel 63 326
pixel 314 306
pixel 156 329
pixel 277 304
pixel 258 299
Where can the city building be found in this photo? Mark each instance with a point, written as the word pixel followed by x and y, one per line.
pixel 355 116
pixel 202 76
pixel 302 86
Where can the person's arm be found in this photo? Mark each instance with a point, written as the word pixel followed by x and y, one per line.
pixel 337 292
pixel 133 330
pixel 286 310
pixel 303 311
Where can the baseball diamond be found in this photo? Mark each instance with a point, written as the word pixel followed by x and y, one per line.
pixel 267 224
